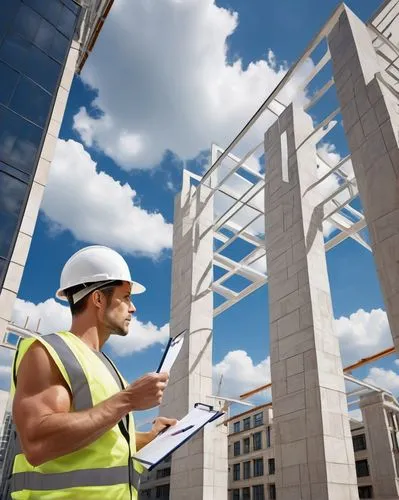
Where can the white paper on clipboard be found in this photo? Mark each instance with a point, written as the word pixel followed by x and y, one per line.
pixel 171 352
pixel 171 439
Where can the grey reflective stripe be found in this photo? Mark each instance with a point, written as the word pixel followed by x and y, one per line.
pixel 80 478
pixel 111 368
pixel 82 399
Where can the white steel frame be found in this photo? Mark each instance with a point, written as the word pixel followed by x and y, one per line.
pixel 347 221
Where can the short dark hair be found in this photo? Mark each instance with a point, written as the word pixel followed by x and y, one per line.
pixel 107 289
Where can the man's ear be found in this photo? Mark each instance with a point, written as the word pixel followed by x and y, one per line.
pixel 97 298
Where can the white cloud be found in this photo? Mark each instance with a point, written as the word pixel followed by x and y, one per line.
pixel 163 82
pixel 362 334
pixel 141 336
pixel 56 317
pixel 240 374
pixel 387 379
pixel 96 208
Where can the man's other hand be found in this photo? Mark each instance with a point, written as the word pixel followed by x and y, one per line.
pixel 147 391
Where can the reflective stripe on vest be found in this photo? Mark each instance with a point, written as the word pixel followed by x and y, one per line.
pixel 78 478
pixel 82 399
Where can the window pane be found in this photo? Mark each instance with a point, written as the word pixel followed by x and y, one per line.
pixel 26 23
pixel 272 466
pixel 14 51
pixel 42 69
pixel 9 9
pixel 49 10
pixel 362 468
pixel 66 22
pixel 31 101
pixel 19 141
pixel 72 5
pixel 12 195
pixel 359 442
pixel 14 172
pixel 59 47
pixel 45 36
pixel 8 81
pixel 258 419
pixel 31 61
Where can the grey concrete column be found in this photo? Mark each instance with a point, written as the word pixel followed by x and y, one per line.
pixel 371 122
pixel 199 469
pixel 381 457
pixel 314 452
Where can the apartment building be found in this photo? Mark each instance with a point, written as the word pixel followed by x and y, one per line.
pixel 252 472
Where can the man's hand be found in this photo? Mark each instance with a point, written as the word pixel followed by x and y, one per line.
pixel 159 425
pixel 162 423
pixel 147 391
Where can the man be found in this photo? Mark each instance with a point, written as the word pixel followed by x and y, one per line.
pixel 72 409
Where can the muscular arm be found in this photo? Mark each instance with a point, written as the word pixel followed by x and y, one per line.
pixel 42 412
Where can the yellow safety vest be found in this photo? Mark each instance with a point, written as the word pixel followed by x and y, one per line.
pixel 100 471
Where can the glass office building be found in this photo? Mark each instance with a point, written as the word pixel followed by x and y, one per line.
pixel 35 38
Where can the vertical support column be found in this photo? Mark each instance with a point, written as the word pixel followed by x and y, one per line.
pixel 199 469
pixel 371 122
pixel 382 463
pixel 313 446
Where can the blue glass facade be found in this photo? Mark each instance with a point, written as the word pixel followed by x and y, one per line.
pixel 35 36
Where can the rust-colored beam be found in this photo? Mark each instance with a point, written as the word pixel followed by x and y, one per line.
pixel 370 359
pixel 354 366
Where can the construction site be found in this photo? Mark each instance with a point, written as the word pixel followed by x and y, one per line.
pixel 271 193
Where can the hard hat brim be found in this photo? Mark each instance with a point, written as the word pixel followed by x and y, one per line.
pixel 137 289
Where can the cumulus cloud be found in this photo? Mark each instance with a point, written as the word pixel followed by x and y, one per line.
pixel 387 379
pixel 362 334
pixel 164 82
pixel 240 374
pixel 55 317
pixel 96 208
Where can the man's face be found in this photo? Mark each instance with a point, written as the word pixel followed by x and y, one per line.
pixel 118 313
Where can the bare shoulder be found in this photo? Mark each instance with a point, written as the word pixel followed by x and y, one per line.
pixel 40 383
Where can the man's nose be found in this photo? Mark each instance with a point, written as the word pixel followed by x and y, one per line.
pixel 132 308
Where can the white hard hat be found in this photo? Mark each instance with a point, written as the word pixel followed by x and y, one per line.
pixel 95 265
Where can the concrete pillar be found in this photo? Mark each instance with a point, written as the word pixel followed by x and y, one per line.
pixel 199 469
pixel 381 455
pixel 371 122
pixel 314 452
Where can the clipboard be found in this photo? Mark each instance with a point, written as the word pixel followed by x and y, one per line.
pixel 171 352
pixel 174 437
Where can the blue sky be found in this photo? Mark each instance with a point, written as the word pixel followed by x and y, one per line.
pixel 157 90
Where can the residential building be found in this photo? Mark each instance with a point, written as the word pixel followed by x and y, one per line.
pixel 252 469
pixel 156 484
pixel 42 45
